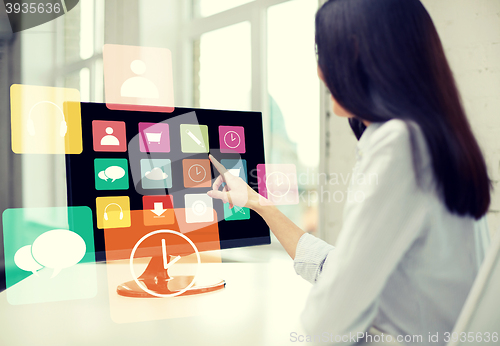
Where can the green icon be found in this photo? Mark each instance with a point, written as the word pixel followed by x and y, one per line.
pixel 49 254
pixel 237 213
pixel 111 174
pixel 194 138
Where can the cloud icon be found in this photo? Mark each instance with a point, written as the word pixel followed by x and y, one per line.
pixel 156 174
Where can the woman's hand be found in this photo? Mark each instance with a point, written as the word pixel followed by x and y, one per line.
pixel 235 192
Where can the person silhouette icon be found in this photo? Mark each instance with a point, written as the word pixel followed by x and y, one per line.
pixel 109 139
pixel 138 86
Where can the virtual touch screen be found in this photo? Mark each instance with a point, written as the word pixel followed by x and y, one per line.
pixel 164 166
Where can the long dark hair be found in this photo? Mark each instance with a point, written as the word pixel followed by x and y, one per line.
pixel 383 59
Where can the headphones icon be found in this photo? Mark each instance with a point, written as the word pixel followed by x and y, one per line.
pixel 31 125
pixel 106 214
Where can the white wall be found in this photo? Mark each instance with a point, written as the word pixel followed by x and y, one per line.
pixel 470 33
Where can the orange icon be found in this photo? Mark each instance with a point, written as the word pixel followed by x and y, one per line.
pixel 197 173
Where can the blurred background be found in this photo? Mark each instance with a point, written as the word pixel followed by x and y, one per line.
pixel 240 55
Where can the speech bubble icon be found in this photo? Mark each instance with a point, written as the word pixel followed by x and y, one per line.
pixel 103 176
pixel 24 260
pixel 58 249
pixel 114 172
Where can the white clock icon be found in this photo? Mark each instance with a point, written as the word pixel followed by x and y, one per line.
pixel 197 173
pixel 278 184
pixel 165 264
pixel 232 139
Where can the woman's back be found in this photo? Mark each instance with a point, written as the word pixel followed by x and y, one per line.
pixel 432 281
pixel 402 260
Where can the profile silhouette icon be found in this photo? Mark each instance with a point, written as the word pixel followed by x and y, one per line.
pixel 109 139
pixel 139 86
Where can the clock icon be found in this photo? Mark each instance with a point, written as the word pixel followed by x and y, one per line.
pixel 166 264
pixel 197 173
pixel 232 139
pixel 278 184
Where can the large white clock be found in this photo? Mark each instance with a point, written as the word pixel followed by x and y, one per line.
pixel 166 264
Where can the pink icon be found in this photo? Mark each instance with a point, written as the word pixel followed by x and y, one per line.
pixel 154 138
pixel 232 139
pixel 138 78
pixel 109 136
pixel 278 184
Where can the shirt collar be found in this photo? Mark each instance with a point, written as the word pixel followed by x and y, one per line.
pixel 365 137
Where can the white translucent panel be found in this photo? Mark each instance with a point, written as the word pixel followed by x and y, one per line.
pixel 225 71
pixel 205 8
pixel 293 83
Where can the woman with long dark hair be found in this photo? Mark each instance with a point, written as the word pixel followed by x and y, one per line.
pixel 408 252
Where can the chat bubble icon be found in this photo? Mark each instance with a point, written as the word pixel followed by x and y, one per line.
pixel 103 176
pixel 24 260
pixel 58 249
pixel 112 172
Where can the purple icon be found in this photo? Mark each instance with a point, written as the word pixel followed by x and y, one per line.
pixel 154 138
pixel 232 139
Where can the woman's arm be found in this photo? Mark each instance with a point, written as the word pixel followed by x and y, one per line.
pixel 282 227
pixel 237 192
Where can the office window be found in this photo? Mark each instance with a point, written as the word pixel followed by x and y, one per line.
pixel 86 29
pixel 84 86
pixel 294 100
pixel 72 80
pixel 235 68
pixel 224 76
pixel 77 54
pixel 205 8
pixel 71 36
pixel 233 54
pixel 80 45
pixel 80 80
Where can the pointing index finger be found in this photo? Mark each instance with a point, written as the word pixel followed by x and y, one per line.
pixel 222 170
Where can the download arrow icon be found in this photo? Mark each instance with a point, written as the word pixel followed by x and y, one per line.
pixel 158 210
